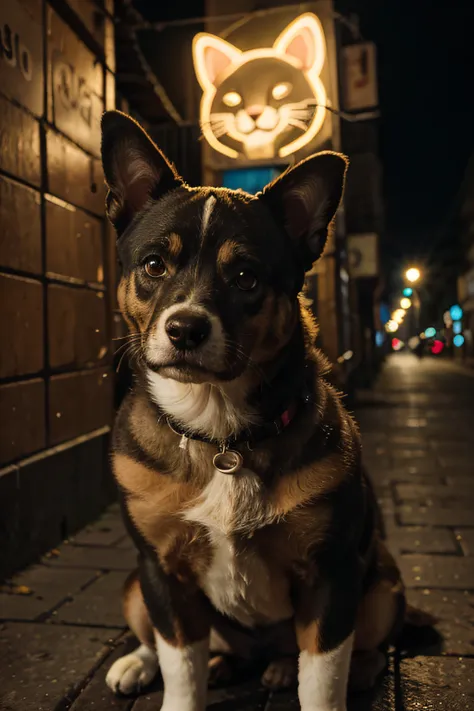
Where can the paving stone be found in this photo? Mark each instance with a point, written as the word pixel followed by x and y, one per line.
pixel 386 503
pixel 105 532
pixel 381 698
pixel 409 441
pixel 99 604
pixel 126 544
pixel 463 463
pixel 412 454
pixel 461 481
pixel 42 664
pixel 244 696
pixel 437 684
pixel 97 696
pixel 46 590
pixel 435 515
pixel 426 571
pixel 465 538
pixel 114 508
pixel 452 449
pixel 432 491
pixel 417 473
pixel 383 477
pixel 416 477
pixel 93 558
pixel 149 701
pixel 423 540
pixel 453 631
pixel 372 437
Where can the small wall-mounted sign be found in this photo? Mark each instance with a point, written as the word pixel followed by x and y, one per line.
pixel 360 76
pixel 363 255
pixel 263 103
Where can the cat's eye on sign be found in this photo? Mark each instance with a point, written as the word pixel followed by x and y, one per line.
pixel 263 103
pixel 232 98
pixel 281 91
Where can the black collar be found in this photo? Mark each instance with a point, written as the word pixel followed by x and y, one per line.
pixel 251 435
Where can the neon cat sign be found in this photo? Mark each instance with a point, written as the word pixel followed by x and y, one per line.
pixel 262 103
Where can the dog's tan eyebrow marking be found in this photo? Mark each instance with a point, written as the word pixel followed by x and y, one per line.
pixel 206 213
pixel 174 244
pixel 229 250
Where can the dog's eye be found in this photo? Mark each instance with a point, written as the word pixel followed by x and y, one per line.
pixel 155 267
pixel 246 280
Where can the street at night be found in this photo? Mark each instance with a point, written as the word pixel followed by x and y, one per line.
pixel 64 627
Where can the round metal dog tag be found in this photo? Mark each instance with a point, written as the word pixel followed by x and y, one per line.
pixel 228 462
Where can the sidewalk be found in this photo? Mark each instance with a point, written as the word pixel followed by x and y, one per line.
pixel 61 621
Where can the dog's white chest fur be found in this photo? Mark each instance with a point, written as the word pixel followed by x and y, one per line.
pixel 238 581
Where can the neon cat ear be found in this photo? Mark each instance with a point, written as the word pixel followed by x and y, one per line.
pixel 212 56
pixel 303 40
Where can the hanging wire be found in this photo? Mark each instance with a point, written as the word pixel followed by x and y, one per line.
pixel 353 118
pixel 240 18
pixel 158 88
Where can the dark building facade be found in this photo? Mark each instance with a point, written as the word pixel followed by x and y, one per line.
pixel 57 267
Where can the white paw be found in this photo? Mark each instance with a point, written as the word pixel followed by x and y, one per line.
pixel 129 674
pixel 281 673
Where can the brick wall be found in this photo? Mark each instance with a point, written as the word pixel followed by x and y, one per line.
pixel 56 273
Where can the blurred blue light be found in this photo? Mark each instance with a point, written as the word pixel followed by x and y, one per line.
pixel 407 291
pixel 456 312
pixel 379 338
pixel 458 340
pixel 430 332
pixel 457 327
pixel 384 313
pixel 249 179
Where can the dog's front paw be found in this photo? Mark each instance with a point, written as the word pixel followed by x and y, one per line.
pixel 281 673
pixel 131 673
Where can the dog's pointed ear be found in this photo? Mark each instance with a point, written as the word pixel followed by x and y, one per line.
pixel 135 169
pixel 305 199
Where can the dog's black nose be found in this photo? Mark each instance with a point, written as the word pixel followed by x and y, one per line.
pixel 187 330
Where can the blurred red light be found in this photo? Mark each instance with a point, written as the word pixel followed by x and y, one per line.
pixel 437 347
pixel 395 343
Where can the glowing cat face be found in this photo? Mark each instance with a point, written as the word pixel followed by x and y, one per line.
pixel 265 102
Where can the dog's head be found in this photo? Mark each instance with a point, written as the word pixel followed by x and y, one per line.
pixel 211 276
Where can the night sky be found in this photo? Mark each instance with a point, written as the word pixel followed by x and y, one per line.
pixel 426 78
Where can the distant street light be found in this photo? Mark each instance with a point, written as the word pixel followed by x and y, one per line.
pixel 391 326
pixel 405 303
pixel 456 312
pixel 398 315
pixel 413 274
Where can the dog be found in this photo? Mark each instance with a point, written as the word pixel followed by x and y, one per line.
pixel 239 469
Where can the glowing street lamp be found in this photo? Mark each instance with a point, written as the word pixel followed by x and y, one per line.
pixel 412 274
pixel 398 315
pixel 405 303
pixel 391 326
